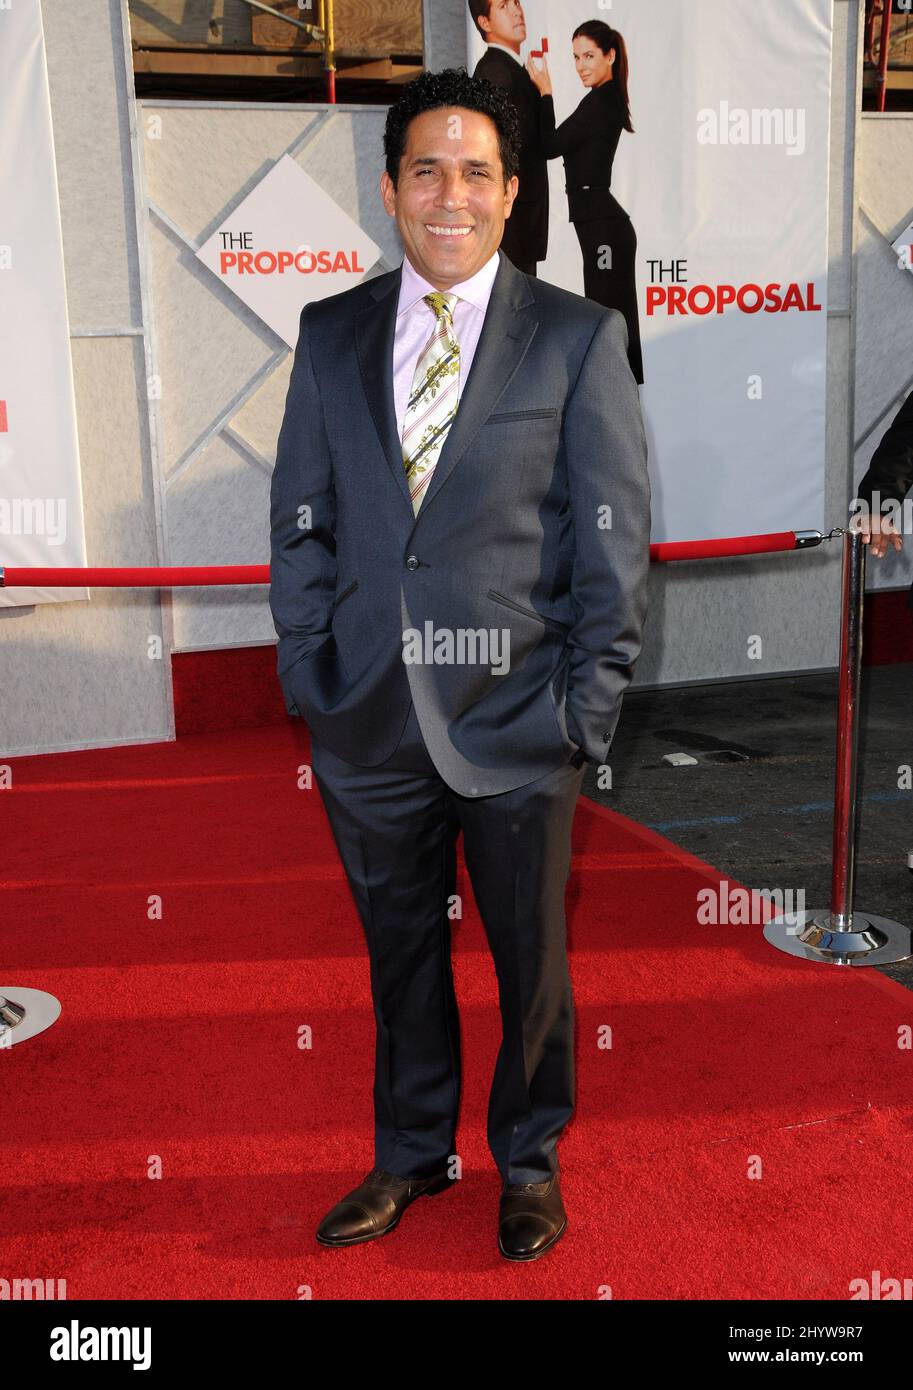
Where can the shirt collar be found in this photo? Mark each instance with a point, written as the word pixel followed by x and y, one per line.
pixel 477 289
pixel 504 49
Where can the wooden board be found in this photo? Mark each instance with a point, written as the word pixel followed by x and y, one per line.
pixel 177 23
pixel 186 63
pixel 363 28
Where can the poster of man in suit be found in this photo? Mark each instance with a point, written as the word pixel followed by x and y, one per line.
pixel 502 25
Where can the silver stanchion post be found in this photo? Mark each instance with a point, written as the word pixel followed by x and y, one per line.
pixel 841 936
pixel 24 1013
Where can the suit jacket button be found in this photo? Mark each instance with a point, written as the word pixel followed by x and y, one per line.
pixel 605 738
pixel 412 562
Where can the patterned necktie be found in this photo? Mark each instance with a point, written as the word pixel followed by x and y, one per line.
pixel 433 399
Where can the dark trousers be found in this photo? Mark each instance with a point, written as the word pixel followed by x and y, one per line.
pixel 395 827
pixel 613 285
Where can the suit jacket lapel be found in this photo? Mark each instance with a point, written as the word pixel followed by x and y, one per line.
pixel 510 324
pixel 375 328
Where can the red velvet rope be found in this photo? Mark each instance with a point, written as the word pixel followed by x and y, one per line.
pixel 165 577
pixel 151 577
pixel 732 545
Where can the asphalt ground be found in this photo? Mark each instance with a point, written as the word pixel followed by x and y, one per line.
pixel 758 803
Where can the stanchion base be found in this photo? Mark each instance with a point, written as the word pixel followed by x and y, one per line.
pixel 24 1013
pixel 811 934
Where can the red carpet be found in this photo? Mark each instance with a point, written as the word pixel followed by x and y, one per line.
pixel 178 1044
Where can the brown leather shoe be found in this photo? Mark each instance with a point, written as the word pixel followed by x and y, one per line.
pixel 531 1218
pixel 374 1207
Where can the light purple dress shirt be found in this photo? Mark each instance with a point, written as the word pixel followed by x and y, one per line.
pixel 415 322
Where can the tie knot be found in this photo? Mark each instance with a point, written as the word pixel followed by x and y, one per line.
pixel 442 303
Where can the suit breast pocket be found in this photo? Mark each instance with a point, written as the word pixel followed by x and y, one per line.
pixel 503 417
pixel 515 455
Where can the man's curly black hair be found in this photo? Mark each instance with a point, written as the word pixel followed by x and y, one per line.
pixel 453 87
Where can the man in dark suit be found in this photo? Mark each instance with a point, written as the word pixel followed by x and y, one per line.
pixel 460 542
pixel 890 477
pixel 503 27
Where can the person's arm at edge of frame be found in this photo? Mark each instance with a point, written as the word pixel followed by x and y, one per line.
pixel 890 473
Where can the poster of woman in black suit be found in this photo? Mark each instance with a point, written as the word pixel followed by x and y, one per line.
pixel 587 142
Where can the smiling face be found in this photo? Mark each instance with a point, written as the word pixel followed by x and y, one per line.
pixel 450 200
pixel 593 66
pixel 505 24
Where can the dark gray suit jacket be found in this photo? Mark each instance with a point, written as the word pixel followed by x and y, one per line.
pixel 513 534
